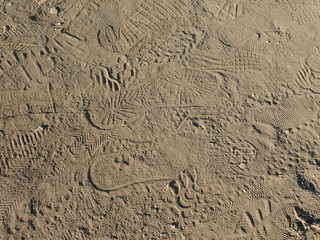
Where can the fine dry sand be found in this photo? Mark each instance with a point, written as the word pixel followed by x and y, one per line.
pixel 160 119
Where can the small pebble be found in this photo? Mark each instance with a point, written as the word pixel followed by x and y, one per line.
pixel 41 2
pixel 53 11
pixel 242 166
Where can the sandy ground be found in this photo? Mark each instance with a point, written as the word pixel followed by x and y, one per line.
pixel 160 119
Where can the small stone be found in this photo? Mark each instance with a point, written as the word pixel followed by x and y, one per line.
pixel 53 11
pixel 42 2
pixel 242 166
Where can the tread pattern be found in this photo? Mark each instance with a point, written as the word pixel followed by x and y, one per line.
pixel 23 37
pixel 243 61
pixel 19 147
pixel 150 16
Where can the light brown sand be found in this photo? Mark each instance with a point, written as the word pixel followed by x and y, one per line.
pixel 159 119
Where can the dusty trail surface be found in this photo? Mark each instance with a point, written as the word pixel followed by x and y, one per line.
pixel 160 119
